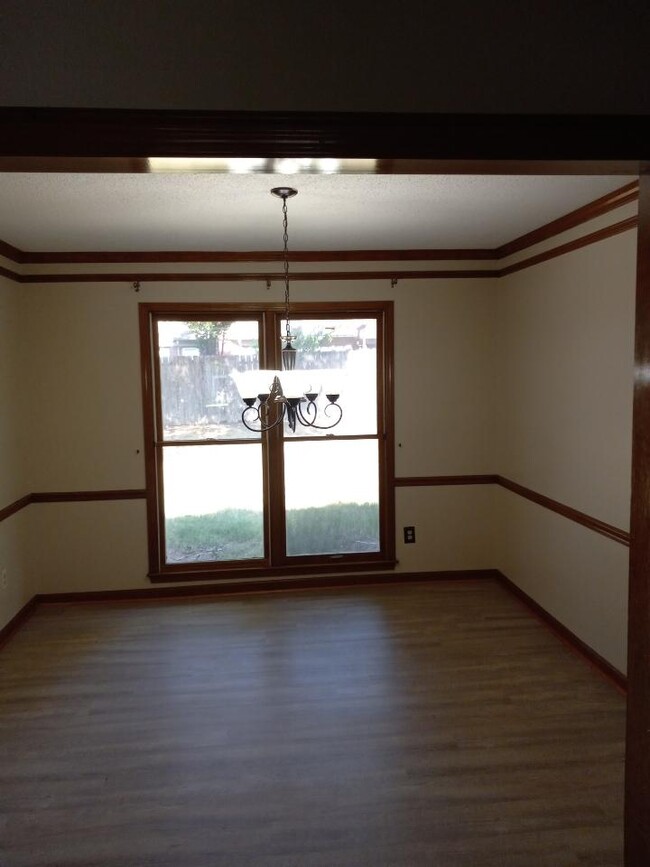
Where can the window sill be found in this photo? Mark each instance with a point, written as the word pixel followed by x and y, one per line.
pixel 272 577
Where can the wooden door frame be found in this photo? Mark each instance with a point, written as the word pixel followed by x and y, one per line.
pixel 40 139
pixel 637 764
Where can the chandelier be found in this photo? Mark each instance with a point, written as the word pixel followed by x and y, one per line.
pixel 271 396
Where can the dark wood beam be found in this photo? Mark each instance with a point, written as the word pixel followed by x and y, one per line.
pixel 558 142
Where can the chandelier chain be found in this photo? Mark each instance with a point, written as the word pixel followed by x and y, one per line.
pixel 285 236
pixel 267 410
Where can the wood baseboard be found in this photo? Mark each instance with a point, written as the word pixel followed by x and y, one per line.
pixel 18 620
pixel 271 585
pixel 595 660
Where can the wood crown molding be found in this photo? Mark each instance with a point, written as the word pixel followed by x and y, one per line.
pixel 28 257
pixel 252 276
pixel 10 275
pixel 570 246
pixel 13 253
pixel 616 199
pixel 137 277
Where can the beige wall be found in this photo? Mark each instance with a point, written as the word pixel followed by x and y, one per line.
pixel 529 377
pixel 81 402
pixel 566 332
pixel 577 575
pixel 565 368
pixel 82 394
pixel 12 483
pixel 82 399
pixel 11 480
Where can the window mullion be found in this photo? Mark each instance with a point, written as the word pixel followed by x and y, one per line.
pixel 273 441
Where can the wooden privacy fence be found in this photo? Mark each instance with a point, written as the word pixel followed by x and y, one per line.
pixel 201 388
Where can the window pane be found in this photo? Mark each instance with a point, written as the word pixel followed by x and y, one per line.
pixel 198 393
pixel 213 503
pixel 332 497
pixel 340 356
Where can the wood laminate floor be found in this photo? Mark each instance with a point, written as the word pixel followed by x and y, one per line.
pixel 433 724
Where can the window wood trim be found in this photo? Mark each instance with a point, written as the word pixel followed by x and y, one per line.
pixel 274 562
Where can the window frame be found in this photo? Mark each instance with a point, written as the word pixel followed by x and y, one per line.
pixel 275 561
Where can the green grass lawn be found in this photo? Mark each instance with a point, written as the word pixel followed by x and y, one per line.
pixel 237 534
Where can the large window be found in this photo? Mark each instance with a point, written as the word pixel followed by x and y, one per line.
pixel 224 500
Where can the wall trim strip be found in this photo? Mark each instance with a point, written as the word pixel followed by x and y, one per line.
pixel 70 497
pixel 439 481
pixel 14 507
pixel 85 496
pixel 598 526
pixel 595 524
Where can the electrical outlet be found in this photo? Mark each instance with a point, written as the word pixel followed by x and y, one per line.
pixel 409 535
pixel 3 580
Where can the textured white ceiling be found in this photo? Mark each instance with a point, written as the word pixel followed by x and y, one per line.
pixel 66 212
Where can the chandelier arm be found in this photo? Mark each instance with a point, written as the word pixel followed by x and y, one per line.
pixel 307 422
pixel 258 418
